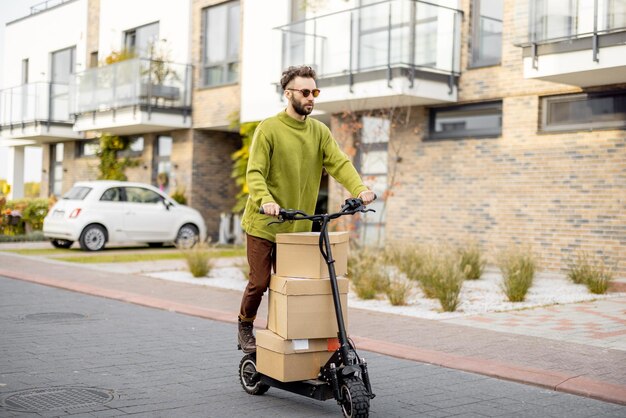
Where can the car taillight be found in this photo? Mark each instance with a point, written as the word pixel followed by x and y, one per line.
pixel 75 213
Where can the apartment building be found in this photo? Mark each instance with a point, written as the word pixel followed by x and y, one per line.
pixel 140 70
pixel 499 122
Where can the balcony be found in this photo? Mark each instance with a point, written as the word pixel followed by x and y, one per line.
pixel 37 112
pixel 581 43
pixel 391 53
pixel 134 96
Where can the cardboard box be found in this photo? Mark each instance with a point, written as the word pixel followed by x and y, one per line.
pixel 290 360
pixel 304 308
pixel 298 255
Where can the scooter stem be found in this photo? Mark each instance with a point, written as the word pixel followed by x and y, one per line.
pixel 343 338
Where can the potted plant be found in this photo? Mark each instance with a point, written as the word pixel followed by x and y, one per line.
pixel 158 73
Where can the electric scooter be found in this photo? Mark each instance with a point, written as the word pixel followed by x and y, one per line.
pixel 344 377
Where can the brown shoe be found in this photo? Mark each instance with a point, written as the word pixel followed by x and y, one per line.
pixel 247 342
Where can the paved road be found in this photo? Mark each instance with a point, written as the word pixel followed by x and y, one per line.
pixel 110 358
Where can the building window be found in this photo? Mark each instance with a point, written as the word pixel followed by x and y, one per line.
pixel 56 169
pixel 93 59
pixel 135 147
pixel 87 148
pixel 411 23
pixel 294 40
pixel 552 19
pixel 220 50
pixel 616 14
pixel 62 67
pixel 486 32
pixel 584 111
pixel 476 120
pixel 140 40
pixel 373 166
pixel 25 71
pixel 163 163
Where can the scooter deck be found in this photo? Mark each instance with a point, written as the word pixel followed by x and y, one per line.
pixel 314 388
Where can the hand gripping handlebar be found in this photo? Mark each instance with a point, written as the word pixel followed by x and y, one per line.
pixel 350 207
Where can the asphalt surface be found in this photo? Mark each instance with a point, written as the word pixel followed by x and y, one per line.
pixel 70 354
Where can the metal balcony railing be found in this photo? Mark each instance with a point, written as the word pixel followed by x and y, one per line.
pixel 416 35
pixel 134 82
pixel 544 22
pixel 45 5
pixel 34 102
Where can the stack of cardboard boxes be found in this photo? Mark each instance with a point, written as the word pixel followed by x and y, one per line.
pixel 302 324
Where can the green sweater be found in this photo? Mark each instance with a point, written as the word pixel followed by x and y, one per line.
pixel 285 166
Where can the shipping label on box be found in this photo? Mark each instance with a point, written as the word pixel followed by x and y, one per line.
pixel 304 308
pixel 288 360
pixel 298 255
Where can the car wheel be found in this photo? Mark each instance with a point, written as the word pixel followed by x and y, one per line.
pixel 187 236
pixel 61 243
pixel 93 238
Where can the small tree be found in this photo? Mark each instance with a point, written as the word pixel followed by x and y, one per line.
pixel 240 162
pixel 111 167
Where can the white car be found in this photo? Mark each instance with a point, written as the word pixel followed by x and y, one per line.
pixel 98 212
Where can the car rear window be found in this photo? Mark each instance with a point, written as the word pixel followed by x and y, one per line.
pixel 77 193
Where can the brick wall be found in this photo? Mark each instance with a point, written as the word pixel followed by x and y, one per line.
pixel 560 193
pixel 212 189
pixel 93 29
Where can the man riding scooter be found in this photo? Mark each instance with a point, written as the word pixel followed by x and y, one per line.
pixel 287 155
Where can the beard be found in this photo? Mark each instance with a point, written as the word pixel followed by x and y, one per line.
pixel 300 109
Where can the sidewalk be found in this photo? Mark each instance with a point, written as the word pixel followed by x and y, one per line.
pixel 521 346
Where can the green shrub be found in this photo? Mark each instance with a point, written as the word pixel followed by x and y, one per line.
pixel 408 259
pixel 472 264
pixel 398 291
pixel 518 271
pixel 367 273
pixel 35 211
pixel 591 272
pixel 599 280
pixel 179 196
pixel 33 236
pixel 442 279
pixel 199 259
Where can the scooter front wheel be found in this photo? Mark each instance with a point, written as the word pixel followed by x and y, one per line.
pixel 355 403
pixel 247 374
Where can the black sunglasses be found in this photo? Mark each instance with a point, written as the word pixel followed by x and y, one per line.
pixel 306 92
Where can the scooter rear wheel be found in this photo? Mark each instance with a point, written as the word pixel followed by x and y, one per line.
pixel 355 401
pixel 247 370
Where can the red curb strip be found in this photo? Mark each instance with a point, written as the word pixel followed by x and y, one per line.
pixel 559 382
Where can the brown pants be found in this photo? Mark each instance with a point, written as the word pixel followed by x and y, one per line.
pixel 261 259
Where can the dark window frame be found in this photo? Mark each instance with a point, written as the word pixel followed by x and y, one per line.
pixel 77 193
pixel 120 194
pixel 130 153
pixel 466 133
pixel 547 101
pixel 144 192
pixel 131 33
pixel 80 149
pixel 476 59
pixel 204 66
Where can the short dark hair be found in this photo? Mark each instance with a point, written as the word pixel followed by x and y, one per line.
pixel 296 71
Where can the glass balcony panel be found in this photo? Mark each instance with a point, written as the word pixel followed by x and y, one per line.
pixel 129 83
pixel 35 102
pixel 394 33
pixel 553 20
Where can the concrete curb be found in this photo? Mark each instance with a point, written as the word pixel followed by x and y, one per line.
pixel 577 385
